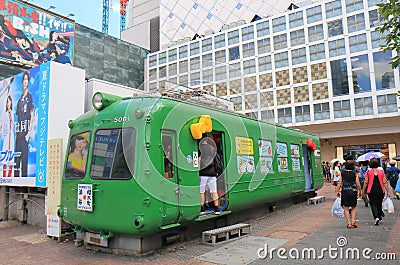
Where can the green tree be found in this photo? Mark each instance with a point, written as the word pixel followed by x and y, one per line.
pixel 390 11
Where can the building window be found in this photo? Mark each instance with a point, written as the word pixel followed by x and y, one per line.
pixel 321 111
pixel 363 106
pixel 281 60
pixel 153 60
pixel 377 38
pixel 195 48
pixel 300 75
pixel 195 79
pixel 315 33
pixel 301 94
pixel 280 42
pixel 372 3
pixel 302 113
pixel 172 55
pixel 183 52
pixel 153 74
pixel 335 28
pixel 337 48
pixel 285 115
pixel 356 23
pixel 249 66
pixel 183 67
pixel 264 63
pixel 374 19
pixel 279 24
pixel 237 103
pixel 297 37
pixel 195 63
pixel 220 57
pixel 358 43
pixel 233 37
pixel 162 57
pixel 360 74
pixel 333 9
pixel 234 70
pixel 340 83
pixel 247 33
pixel 264 46
pixel 384 76
pixel 387 103
pixel 234 53
pixel 296 19
pixel 172 69
pixel 220 73
pixel 207 44
pixel 299 56
pixel 314 14
pixel 282 78
pixel 262 29
pixel 248 49
pixel 317 52
pixel 354 5
pixel 207 76
pixel 341 109
pixel 219 41
pixel 207 60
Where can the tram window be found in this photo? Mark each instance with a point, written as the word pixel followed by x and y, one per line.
pixel 113 154
pixel 168 157
pixel 77 156
pixel 282 155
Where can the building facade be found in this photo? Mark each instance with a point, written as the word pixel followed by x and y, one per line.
pixel 318 68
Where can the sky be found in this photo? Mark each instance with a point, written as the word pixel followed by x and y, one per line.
pixel 87 12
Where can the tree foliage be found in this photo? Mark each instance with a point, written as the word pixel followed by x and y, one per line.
pixel 390 11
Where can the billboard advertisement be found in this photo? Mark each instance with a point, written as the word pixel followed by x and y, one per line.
pixel 30 36
pixel 24 100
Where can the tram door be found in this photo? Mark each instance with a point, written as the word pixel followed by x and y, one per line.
pixel 307 167
pixel 170 192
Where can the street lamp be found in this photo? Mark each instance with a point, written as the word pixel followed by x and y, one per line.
pixel 70 15
pixel 50 7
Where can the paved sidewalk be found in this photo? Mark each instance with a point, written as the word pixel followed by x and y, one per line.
pixel 298 227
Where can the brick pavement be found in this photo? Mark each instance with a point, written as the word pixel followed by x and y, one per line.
pixel 301 224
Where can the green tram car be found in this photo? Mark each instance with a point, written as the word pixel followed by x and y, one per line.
pixel 132 167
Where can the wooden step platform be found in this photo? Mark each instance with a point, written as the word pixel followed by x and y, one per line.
pixel 316 200
pixel 214 236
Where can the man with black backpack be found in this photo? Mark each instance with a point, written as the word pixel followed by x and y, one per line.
pixel 392 175
pixel 208 171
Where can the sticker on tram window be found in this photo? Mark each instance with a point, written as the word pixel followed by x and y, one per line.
pixel 244 146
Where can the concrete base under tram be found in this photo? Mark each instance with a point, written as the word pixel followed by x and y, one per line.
pixel 139 246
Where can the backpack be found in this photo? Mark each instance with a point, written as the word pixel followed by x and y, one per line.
pixel 218 164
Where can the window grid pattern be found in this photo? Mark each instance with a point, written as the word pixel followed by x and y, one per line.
pixel 356 23
pixel 300 75
pixel 318 71
pixel 283 96
pixel 299 56
pixel 314 14
pixel 219 41
pixel 280 41
pixel 262 29
pixel 206 45
pixel 321 111
pixel 220 89
pixel 363 106
pixel 248 49
pixel 354 5
pixel 285 115
pixel 249 66
pixel 282 78
pixel 296 19
pixel 281 60
pixel 233 37
pixel 247 33
pixel 172 55
pixel 264 63
pixel 337 48
pixel 333 9
pixel 279 24
pixel 317 52
pixel 387 103
pixel 358 43
pixel 301 94
pixel 265 81
pixel 315 33
pixel 297 37
pixel 302 113
pixel 341 109
pixel 320 91
pixel 266 99
pixel 264 46
pixel 250 84
pixel 195 48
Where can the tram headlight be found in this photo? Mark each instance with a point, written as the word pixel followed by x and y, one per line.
pixel 98 101
pixel 101 100
pixel 70 124
pixel 139 221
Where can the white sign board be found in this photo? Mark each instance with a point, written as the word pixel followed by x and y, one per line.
pixel 85 197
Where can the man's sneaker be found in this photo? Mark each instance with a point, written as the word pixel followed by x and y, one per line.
pixel 217 211
pixel 203 210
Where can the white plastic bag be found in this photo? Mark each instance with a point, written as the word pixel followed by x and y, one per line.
pixel 389 205
pixel 337 209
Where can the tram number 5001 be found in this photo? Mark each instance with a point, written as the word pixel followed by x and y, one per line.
pixel 121 119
